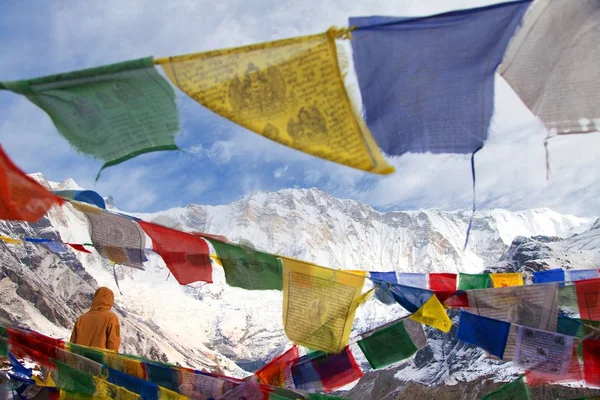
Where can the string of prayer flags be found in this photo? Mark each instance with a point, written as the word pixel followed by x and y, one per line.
pixel 319 305
pixel 22 198
pixel 83 196
pixel 113 113
pixel 187 256
pixel 278 372
pixel 443 284
pixel 540 67
pixel 507 279
pixel 473 281
pixel 392 343
pixel 543 351
pixel 115 237
pixel 290 91
pixel 591 362
pixel 535 306
pixel 432 313
pixel 411 298
pixel 583 274
pixel 516 390
pixel 486 333
pixel 248 268
pixel 318 371
pixel 551 275
pixel 588 299
pixel 432 100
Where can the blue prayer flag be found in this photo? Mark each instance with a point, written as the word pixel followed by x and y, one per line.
pixel 551 275
pixel 583 274
pixel 411 298
pixel 84 196
pixel 36 240
pixel 147 390
pixel 384 276
pixel 427 83
pixel 414 279
pixel 486 333
pixel 56 247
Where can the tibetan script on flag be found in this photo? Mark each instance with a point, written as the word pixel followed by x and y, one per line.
pixel 290 91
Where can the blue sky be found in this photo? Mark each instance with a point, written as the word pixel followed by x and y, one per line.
pixel 222 162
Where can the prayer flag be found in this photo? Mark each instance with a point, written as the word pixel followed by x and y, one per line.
pixel 551 275
pixel 432 313
pixel 516 390
pixel 318 371
pixel 22 198
pixel 147 390
pixel 414 279
pixel 278 372
pixel 486 333
pixel 9 240
pixel 290 91
pixel 583 274
pixel 113 113
pixel 319 305
pixel 56 247
pixel 249 390
pixel 88 352
pixel 187 256
pixel 543 351
pixel 507 279
pixel 411 298
pixel 588 299
pixel 79 247
pixel 384 276
pixel 427 83
pixel 552 64
pixel 163 375
pixel 567 297
pixel 535 306
pixel 573 374
pixel 392 343
pixel 115 237
pixel 443 284
pixel 197 385
pixel 569 326
pixel 473 281
pixel 591 362
pixel 248 268
pixel 84 196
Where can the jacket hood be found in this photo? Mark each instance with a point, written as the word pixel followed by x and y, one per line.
pixel 104 299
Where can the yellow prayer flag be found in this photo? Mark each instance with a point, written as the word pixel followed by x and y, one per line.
pixel 507 279
pixel 432 313
pixel 319 305
pixel 290 91
pixel 10 240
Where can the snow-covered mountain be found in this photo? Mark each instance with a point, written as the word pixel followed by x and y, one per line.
pixel 205 325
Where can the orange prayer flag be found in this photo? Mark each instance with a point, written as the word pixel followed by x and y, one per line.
pixel 22 198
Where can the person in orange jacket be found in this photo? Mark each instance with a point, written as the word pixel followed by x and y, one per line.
pixel 99 327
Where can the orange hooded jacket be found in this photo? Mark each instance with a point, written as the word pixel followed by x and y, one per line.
pixel 99 327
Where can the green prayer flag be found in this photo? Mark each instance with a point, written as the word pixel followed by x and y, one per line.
pixel 113 113
pixel 516 390
pixel 320 396
pixel 388 345
pixel 3 347
pixel 3 332
pixel 473 281
pixel 88 352
pixel 567 297
pixel 248 268
pixel 74 380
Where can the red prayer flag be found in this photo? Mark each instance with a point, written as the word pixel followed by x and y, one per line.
pixel 34 345
pixel 588 299
pixel 443 284
pixel 187 256
pixel 79 247
pixel 278 371
pixel 591 362
pixel 22 198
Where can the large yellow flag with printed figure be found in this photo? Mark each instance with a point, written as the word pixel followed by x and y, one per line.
pixel 290 91
pixel 432 313
pixel 507 279
pixel 319 305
